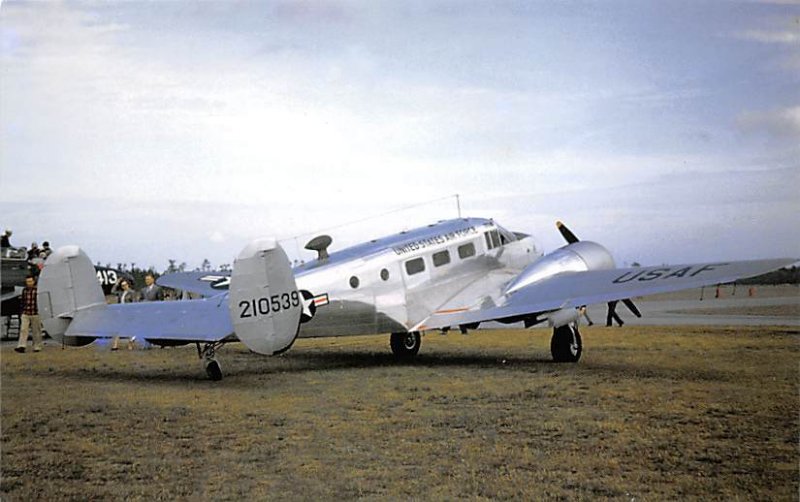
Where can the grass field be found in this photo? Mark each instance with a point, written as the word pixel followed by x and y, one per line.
pixel 648 413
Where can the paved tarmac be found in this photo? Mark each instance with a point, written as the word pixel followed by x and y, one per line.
pixel 678 312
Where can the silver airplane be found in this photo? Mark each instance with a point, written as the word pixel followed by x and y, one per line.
pixel 451 274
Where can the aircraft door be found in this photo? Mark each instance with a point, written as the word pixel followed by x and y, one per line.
pixel 416 274
pixel 390 299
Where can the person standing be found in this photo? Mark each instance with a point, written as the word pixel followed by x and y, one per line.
pixel 30 317
pixel 612 314
pixel 45 251
pixel 151 292
pixel 127 295
pixel 585 313
pixel 5 240
pixel 34 261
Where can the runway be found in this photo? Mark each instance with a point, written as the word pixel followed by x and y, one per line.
pixel 780 306
pixel 709 312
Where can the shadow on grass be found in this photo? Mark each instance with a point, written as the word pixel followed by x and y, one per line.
pixel 238 364
pixel 241 368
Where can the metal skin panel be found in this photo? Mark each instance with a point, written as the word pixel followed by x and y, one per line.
pixel 67 284
pixel 353 311
pixel 401 302
pixel 264 302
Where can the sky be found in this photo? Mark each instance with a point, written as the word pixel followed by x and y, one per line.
pixel 143 131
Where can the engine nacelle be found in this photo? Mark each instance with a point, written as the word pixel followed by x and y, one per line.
pixel 576 257
pixel 564 316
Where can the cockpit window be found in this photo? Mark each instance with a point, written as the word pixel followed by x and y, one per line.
pixel 493 239
pixel 506 236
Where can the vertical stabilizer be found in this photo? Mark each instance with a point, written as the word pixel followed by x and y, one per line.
pixel 265 305
pixel 68 283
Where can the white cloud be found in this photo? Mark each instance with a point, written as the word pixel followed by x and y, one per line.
pixel 772 37
pixel 780 123
pixel 208 129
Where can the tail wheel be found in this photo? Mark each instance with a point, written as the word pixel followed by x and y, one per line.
pixel 405 345
pixel 566 345
pixel 213 370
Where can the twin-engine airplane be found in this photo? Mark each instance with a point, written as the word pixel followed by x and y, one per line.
pixel 452 274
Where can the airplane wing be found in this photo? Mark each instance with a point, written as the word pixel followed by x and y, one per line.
pixel 575 289
pixel 207 284
pixel 184 321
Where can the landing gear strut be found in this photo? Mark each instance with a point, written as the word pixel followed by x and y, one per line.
pixel 207 353
pixel 566 345
pixel 405 345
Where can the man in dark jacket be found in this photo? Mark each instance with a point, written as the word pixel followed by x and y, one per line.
pixel 30 317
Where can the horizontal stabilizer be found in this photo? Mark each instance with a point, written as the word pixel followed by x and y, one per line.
pixel 185 321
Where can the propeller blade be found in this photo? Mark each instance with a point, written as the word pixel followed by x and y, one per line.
pixel 566 233
pixel 628 303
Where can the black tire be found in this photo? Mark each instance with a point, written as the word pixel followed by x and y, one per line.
pixel 213 370
pixel 566 345
pixel 405 345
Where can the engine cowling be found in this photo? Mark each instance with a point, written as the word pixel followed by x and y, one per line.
pixel 576 257
pixel 562 317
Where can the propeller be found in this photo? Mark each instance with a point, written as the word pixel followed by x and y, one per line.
pixel 566 233
pixel 571 239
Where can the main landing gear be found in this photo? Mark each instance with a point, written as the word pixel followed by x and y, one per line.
pixel 566 345
pixel 207 354
pixel 405 345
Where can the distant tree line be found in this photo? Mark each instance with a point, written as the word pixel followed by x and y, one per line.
pixel 789 275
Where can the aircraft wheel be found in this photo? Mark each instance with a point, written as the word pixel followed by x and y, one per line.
pixel 405 345
pixel 213 370
pixel 566 345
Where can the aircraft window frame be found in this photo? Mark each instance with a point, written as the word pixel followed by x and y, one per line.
pixel 443 253
pixel 415 271
pixel 488 241
pixel 354 282
pixel 384 274
pixel 496 238
pixel 507 236
pixel 462 250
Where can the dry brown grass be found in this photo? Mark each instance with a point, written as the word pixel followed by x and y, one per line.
pixel 649 413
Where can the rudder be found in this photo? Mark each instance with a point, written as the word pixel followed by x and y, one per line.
pixel 264 303
pixel 68 283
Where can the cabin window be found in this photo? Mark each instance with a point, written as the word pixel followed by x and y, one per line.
pixel 385 274
pixel 466 250
pixel 354 282
pixel 441 258
pixel 415 266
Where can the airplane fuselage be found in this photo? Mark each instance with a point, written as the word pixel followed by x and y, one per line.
pixel 392 284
